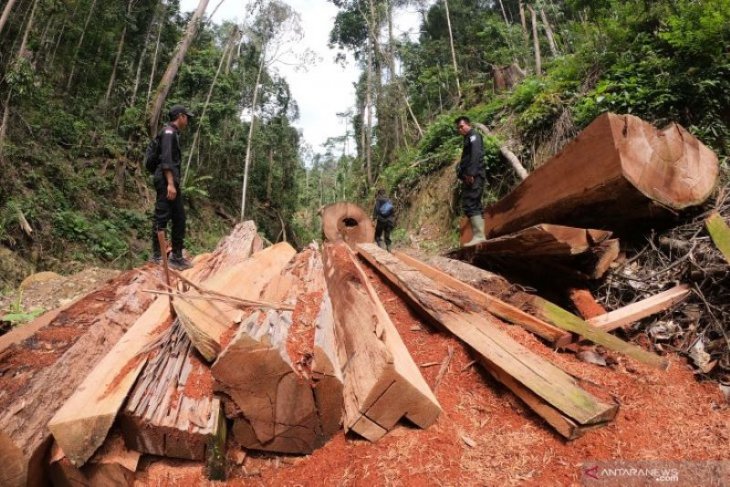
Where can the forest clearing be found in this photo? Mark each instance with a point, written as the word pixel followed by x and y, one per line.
pixel 364 242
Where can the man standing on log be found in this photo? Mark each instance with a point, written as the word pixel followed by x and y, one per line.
pixel 472 174
pixel 169 202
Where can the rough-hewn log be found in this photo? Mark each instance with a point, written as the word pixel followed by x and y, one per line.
pixel 82 423
pixel 39 372
pixel 618 170
pixel 506 359
pixel 267 368
pixel 348 222
pixel 382 383
pixel 547 311
pixel 171 410
pixel 493 305
pixel 623 317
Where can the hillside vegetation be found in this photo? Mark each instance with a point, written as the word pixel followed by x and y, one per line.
pixel 80 79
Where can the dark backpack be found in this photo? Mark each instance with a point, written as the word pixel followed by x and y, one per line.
pixel 152 155
pixel 386 209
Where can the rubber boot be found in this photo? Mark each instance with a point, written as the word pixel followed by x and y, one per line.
pixel 477 228
pixel 381 243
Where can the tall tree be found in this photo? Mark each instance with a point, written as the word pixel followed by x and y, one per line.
pixel 163 88
pixel 453 51
pixel 6 13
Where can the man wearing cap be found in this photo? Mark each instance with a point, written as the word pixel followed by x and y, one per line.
pixel 169 202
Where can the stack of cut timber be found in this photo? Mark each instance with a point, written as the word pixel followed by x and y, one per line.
pixel 382 384
pixel 42 363
pixel 587 251
pixel 619 171
pixel 348 222
pixel 469 315
pixel 280 368
pixel 82 423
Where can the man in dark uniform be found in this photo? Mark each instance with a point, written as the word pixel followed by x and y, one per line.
pixel 169 202
pixel 472 174
pixel 384 216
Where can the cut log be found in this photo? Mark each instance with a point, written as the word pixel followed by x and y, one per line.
pixel 39 372
pixel 348 222
pixel 585 303
pixel 382 384
pixel 634 312
pixel 539 240
pixel 267 368
pixel 83 421
pixel 617 171
pixel 495 306
pixel 113 465
pixel 551 313
pixel 460 316
pixel 719 231
pixel 171 410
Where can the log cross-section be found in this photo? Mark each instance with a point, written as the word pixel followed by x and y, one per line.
pixel 382 383
pixel 534 379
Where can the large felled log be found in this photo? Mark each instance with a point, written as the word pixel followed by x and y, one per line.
pixel 348 222
pixel 268 371
pixel 83 421
pixel 382 384
pixel 543 309
pixel 171 410
pixel 548 390
pixel 39 372
pixel 618 170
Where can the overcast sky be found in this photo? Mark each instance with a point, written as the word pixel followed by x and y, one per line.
pixel 325 89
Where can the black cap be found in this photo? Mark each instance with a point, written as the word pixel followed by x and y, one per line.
pixel 177 110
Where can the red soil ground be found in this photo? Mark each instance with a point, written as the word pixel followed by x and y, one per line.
pixel 486 435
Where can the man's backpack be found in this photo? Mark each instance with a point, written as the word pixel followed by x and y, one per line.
pixel 386 209
pixel 152 155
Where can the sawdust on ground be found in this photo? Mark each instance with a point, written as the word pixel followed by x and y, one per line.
pixel 486 435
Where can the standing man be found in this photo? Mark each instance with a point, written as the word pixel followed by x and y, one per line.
pixel 169 202
pixel 472 174
pixel 384 216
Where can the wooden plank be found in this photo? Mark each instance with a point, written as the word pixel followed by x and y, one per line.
pixel 555 315
pixel 585 303
pixel 457 314
pixel 538 240
pixel 82 423
pixel 719 231
pixel 496 306
pixel 382 383
pixel 634 312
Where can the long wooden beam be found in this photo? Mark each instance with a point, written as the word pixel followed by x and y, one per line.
pixel 449 307
pixel 634 312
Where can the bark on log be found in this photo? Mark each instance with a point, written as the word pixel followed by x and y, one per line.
pixel 619 170
pixel 267 368
pixel 40 372
pixel 550 313
pixel 82 423
pixel 348 222
pixel 382 383
pixel 506 359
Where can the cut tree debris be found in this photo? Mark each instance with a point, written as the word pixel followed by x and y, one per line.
pixel 719 230
pixel 549 391
pixel 382 384
pixel 619 170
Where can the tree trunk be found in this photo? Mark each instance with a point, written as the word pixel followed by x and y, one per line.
pixel 618 171
pixel 247 161
pixel 270 176
pixel 205 107
pixel 6 13
pixel 506 153
pixel 523 22
pixel 368 126
pixel 453 52
pixel 153 69
pixel 78 45
pixel 163 88
pixel 145 45
pixel 120 48
pixel 348 222
pixel 535 42
pixel 549 33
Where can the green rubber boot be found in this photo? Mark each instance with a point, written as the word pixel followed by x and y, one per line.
pixel 477 228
